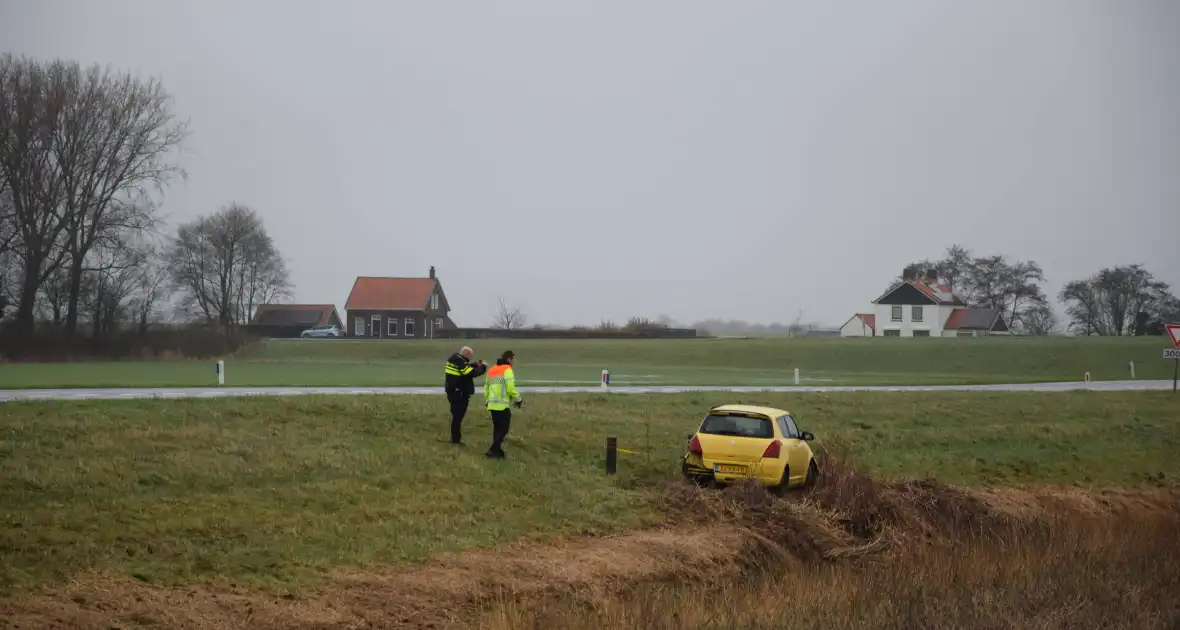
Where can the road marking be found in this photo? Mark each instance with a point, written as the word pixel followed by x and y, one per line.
pixel 15 395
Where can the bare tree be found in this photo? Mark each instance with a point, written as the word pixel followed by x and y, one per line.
pixel 30 107
pixel 225 265
pixel 509 318
pixel 1039 320
pixel 110 285
pixel 796 326
pixel 111 147
pixel 1125 300
pixel 150 282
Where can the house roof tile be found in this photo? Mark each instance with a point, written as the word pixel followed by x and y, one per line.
pixel 972 319
pixel 940 293
pixel 293 314
pixel 382 293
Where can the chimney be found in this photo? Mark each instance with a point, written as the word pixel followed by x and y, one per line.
pixel 432 272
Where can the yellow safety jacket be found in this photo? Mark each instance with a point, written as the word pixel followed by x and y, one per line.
pixel 499 388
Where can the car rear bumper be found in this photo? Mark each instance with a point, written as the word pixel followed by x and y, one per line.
pixel 699 472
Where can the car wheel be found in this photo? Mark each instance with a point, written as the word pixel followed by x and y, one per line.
pixel 697 480
pixel 785 482
pixel 812 475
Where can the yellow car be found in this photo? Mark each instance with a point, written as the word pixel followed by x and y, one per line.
pixel 743 441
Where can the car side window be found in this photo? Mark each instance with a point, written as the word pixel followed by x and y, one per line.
pixel 787 427
pixel 794 430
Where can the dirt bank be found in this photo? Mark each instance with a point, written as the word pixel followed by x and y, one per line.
pixel 889 539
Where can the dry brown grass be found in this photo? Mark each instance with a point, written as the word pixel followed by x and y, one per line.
pixel 860 554
pixel 854 553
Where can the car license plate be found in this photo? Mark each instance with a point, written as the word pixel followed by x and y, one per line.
pixel 729 469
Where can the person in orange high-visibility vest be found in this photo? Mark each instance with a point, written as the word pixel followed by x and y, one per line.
pixel 500 395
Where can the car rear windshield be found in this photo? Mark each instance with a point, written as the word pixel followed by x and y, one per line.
pixel 737 425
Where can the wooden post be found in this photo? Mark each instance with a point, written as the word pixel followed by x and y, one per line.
pixel 612 454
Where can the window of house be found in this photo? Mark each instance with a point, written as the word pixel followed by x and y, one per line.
pixel 375 327
pixel 895 313
pixel 893 333
pixel 391 327
pixel 965 333
pixel 921 333
pixel 434 301
pixel 438 323
pixel 916 313
pixel 358 326
pixel 409 326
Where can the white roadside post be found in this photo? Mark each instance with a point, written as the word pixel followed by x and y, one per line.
pixel 1087 380
pixel 221 372
pixel 796 376
pixel 1132 364
pixel 605 384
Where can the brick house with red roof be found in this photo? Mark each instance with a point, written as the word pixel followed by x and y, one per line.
pixel 397 307
pixel 920 308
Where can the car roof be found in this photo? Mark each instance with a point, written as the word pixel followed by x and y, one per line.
pixel 773 412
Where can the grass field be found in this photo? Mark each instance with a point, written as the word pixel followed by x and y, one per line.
pixel 278 493
pixel 753 362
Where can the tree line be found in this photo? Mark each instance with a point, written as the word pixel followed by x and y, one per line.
pixel 1121 300
pixel 86 157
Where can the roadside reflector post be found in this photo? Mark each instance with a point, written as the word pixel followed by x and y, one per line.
pixel 1132 364
pixel 1087 379
pixel 796 376
pixel 612 454
pixel 221 372
pixel 605 384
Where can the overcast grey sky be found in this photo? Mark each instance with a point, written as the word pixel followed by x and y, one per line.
pixel 690 158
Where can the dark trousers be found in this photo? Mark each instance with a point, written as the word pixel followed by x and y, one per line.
pixel 501 420
pixel 459 402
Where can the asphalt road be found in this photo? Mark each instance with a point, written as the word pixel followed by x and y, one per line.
pixel 15 395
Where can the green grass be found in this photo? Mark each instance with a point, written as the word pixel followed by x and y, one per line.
pixel 767 362
pixel 274 492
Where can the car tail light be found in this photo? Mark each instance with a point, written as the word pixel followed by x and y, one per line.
pixel 772 451
pixel 694 446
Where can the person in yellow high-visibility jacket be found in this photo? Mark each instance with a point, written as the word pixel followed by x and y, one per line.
pixel 500 395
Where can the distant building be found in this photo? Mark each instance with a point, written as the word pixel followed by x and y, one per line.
pixel 397 307
pixel 289 320
pixel 861 325
pixel 917 308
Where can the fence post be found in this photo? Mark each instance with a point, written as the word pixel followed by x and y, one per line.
pixel 612 454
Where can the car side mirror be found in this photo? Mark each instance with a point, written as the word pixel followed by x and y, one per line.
pixel 807 436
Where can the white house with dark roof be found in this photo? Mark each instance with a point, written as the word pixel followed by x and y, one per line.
pixel 916 308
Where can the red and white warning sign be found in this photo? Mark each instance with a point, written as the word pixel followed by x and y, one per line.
pixel 1174 333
